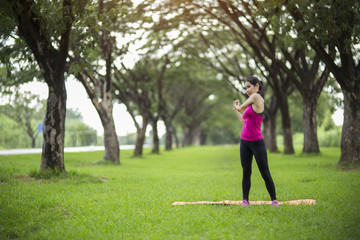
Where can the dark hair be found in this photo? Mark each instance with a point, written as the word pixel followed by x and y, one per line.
pixel 253 81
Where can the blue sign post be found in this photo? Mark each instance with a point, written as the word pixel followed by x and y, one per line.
pixel 40 127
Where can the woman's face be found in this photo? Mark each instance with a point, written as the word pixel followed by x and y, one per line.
pixel 250 89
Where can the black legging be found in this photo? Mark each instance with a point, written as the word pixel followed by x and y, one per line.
pixel 248 149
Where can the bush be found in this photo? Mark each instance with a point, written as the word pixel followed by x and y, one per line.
pixel 298 138
pixel 326 138
pixel 330 138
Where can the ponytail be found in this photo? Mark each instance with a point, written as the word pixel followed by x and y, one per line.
pixel 254 80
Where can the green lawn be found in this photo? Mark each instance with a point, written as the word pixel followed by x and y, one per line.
pixel 133 201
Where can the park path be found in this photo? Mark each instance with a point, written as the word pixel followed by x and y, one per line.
pixel 67 149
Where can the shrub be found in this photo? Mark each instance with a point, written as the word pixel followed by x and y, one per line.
pixel 330 138
pixel 326 138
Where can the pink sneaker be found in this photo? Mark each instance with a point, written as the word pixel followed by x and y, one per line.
pixel 245 203
pixel 275 203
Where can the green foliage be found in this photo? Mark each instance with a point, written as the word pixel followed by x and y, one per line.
pixel 326 137
pixel 324 111
pixel 129 139
pixel 24 108
pixel 329 20
pixel 12 135
pixel 222 126
pixel 194 89
pixel 16 56
pixel 27 110
pixel 77 133
pixel 113 20
pixel 330 137
pixel 134 200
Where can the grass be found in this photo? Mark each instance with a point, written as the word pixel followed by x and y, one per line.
pixel 97 200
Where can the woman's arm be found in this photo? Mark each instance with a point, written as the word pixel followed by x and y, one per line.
pixel 255 99
pixel 237 111
pixel 251 100
pixel 239 115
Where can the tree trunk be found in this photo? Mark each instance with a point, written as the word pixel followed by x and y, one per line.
pixel 155 136
pixel 350 138
pixel 30 132
pixel 111 142
pixel 168 139
pixel 286 126
pixel 168 136
pixel 104 108
pixel 52 64
pixel 54 129
pixel 140 139
pixel 186 138
pixel 202 137
pixel 176 138
pixel 270 126
pixel 311 144
pixel 33 143
pixel 346 73
pixel 189 136
pixel 270 133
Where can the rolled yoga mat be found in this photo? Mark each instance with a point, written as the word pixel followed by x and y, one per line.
pixel 229 202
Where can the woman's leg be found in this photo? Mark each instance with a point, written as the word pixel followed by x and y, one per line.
pixel 262 162
pixel 246 156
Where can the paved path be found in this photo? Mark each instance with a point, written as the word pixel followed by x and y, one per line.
pixel 67 149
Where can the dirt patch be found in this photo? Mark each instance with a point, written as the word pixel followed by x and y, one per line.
pixel 27 179
pixel 351 168
pixel 103 179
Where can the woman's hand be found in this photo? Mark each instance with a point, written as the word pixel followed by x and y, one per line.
pixel 236 104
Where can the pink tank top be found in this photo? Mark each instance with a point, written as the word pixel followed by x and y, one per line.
pixel 251 130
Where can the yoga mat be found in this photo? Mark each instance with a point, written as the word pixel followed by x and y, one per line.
pixel 230 202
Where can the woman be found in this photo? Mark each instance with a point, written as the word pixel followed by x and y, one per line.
pixel 252 142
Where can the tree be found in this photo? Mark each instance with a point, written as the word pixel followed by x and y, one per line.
pixel 26 109
pixel 194 84
pixel 303 67
pixel 250 33
pixel 12 136
pixel 47 37
pixel 222 126
pixel 142 85
pixel 173 98
pixel 328 26
pixel 93 63
pixel 135 104
pixel 285 62
pixel 220 20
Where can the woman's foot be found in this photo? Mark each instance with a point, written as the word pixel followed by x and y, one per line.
pixel 245 203
pixel 275 203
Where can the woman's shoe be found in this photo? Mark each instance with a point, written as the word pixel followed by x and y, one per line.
pixel 275 203
pixel 245 203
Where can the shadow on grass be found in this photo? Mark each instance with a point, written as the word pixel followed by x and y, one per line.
pixel 348 167
pixel 56 175
pixel 105 163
